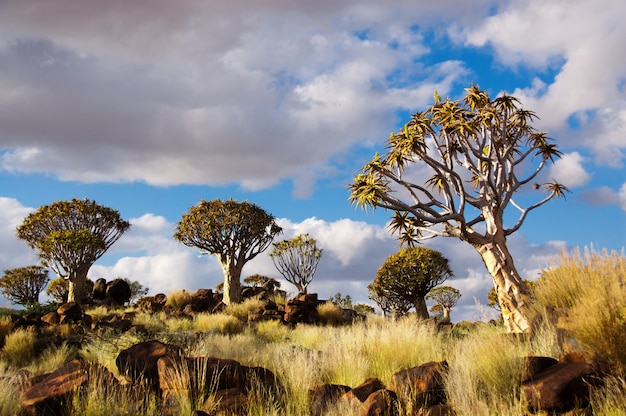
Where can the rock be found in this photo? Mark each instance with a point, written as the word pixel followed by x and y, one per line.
pixel 535 365
pixel 49 395
pixel 99 291
pixel 118 292
pixel 51 318
pixel 559 388
pixel 363 390
pixel 70 312
pixel 324 397
pixel 141 359
pixel 302 309
pixel 380 403
pixel 423 385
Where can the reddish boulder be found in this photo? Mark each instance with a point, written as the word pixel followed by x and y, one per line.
pixel 363 390
pixel 560 388
pixel 140 360
pixel 423 385
pixel 325 397
pixel 49 395
pixel 380 403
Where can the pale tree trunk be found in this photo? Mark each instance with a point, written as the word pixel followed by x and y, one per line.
pixel 513 297
pixel 446 314
pixel 232 283
pixel 77 290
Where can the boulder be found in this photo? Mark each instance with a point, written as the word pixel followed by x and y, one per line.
pixel 423 385
pixel 365 389
pixel 380 403
pixel 561 387
pixel 141 359
pixel 325 397
pixel 118 292
pixel 302 309
pixel 99 291
pixel 70 312
pixel 49 395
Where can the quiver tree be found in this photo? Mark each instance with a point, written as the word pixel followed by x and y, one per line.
pixel 234 232
pixel 297 260
pixel 70 236
pixel 478 153
pixel 24 284
pixel 445 298
pixel 407 276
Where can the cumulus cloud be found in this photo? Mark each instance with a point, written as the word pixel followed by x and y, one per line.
pixel 546 36
pixel 209 95
pixel 622 196
pixel 569 170
pixel 13 251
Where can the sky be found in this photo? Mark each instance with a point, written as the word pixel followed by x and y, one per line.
pixel 148 107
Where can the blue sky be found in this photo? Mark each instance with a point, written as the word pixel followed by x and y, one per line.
pixel 148 107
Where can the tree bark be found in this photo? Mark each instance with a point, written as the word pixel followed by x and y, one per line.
pixel 421 310
pixel 77 288
pixel 513 296
pixel 232 284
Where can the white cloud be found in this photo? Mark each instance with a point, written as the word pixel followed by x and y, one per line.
pixel 13 251
pixel 209 94
pixel 622 196
pixel 579 41
pixel 569 170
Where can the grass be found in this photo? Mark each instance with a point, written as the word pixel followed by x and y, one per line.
pixel 588 294
pixel 582 293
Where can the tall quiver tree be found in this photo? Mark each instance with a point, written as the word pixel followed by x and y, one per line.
pixel 70 236
pixel 234 232
pixel 480 152
pixel 297 260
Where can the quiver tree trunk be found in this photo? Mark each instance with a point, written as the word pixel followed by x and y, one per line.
pixel 513 295
pixel 77 287
pixel 421 310
pixel 232 284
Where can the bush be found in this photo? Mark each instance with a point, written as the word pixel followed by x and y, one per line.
pixel 19 347
pixel 330 314
pixel 178 299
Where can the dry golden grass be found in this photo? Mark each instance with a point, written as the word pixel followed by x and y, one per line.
pixel 19 347
pixel 590 286
pixel 178 299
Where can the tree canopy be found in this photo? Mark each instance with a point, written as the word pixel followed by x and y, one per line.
pixel 409 275
pixel 234 232
pixel 70 236
pixel 24 284
pixel 297 259
pixel 453 171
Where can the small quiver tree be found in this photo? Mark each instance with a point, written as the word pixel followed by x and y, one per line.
pixel 473 156
pixel 297 260
pixel 445 298
pixel 70 236
pixel 409 275
pixel 24 284
pixel 234 232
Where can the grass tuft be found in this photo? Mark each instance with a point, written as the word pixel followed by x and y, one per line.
pixel 19 347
